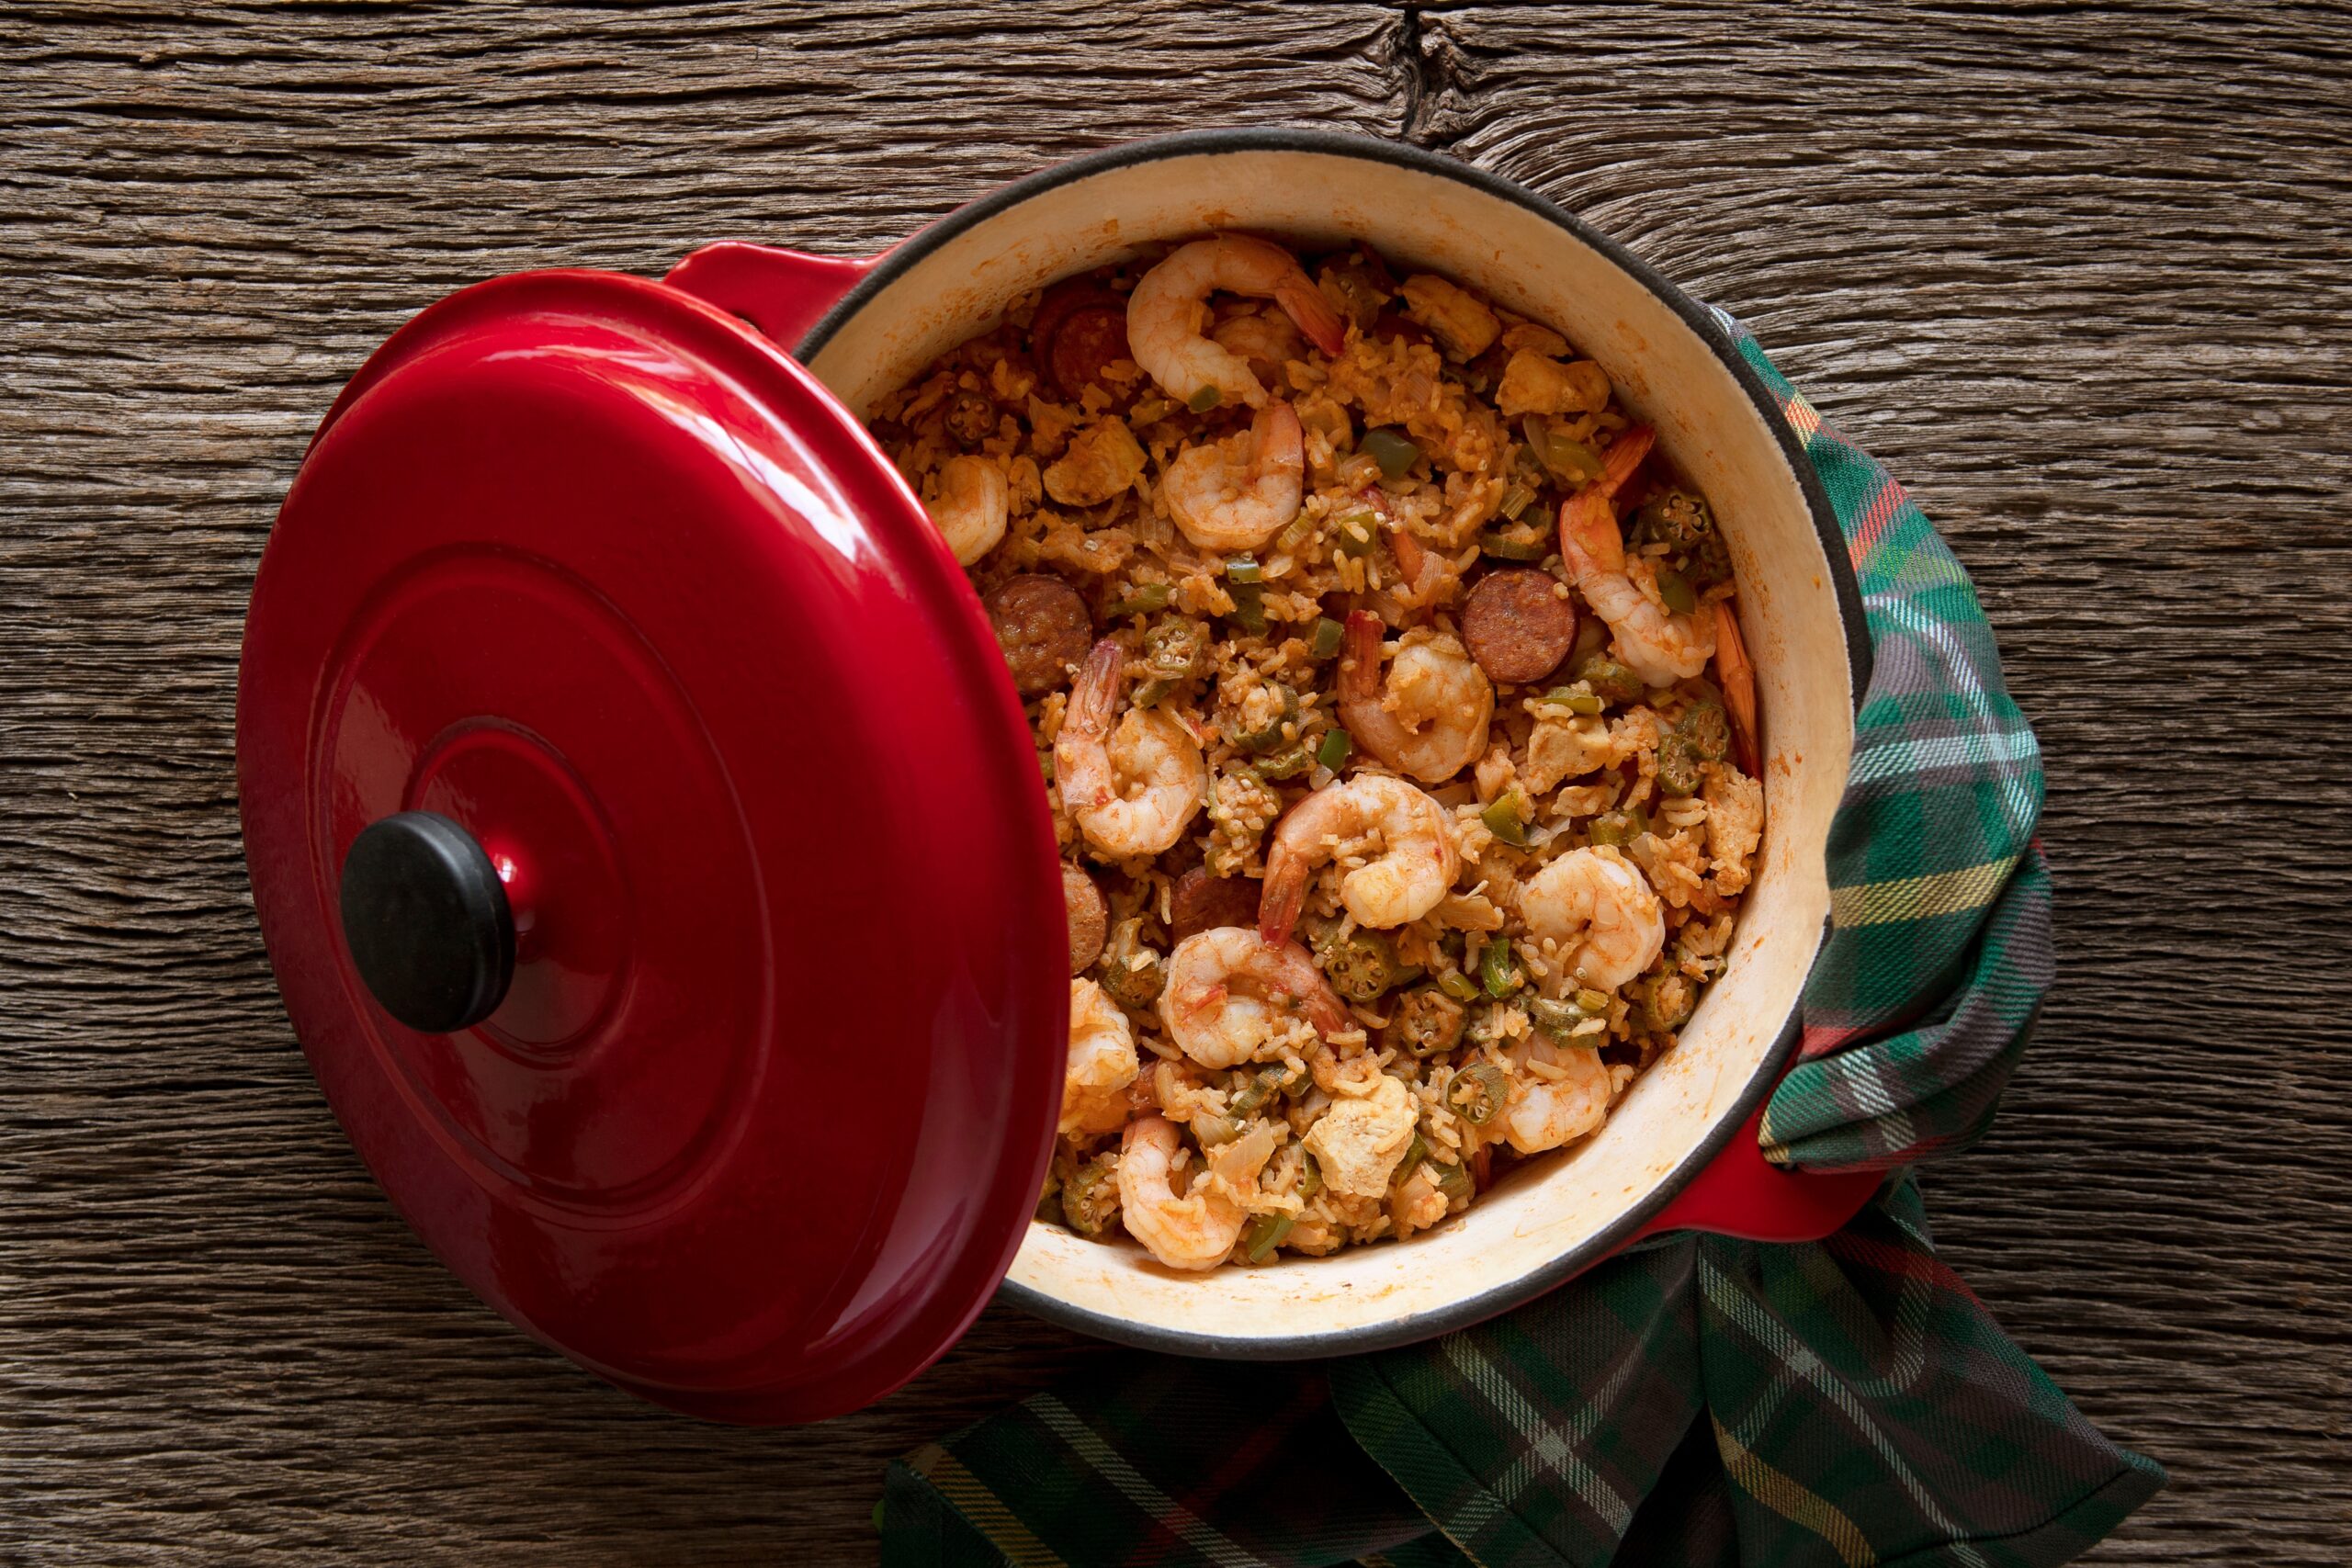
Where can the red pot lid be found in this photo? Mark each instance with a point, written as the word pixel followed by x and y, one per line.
pixel 665 709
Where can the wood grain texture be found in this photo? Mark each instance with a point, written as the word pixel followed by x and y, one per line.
pixel 2082 277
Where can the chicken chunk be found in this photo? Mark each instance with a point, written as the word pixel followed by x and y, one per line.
pixel 1533 383
pixel 1103 459
pixel 1735 823
pixel 1564 746
pixel 1458 318
pixel 1359 1142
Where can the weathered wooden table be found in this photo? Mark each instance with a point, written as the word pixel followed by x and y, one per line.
pixel 2081 276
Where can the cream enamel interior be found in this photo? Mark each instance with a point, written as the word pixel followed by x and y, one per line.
pixel 1670 376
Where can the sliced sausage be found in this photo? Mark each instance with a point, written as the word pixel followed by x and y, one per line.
pixel 1065 300
pixel 1080 327
pixel 1199 902
pixel 1042 625
pixel 1090 918
pixel 1088 339
pixel 1517 625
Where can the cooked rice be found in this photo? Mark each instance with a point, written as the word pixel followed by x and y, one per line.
pixel 1456 374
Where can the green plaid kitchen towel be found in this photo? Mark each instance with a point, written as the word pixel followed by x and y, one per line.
pixel 1694 1400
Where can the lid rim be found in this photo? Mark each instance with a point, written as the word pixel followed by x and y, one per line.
pixel 885 548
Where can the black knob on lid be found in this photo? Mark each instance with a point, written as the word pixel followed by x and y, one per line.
pixel 427 922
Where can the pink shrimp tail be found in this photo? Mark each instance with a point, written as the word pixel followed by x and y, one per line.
pixel 1590 538
pixel 1324 1011
pixel 1303 303
pixel 1589 541
pixel 1277 441
pixel 1617 464
pixel 1301 984
pixel 1094 695
pixel 1360 656
pixel 1284 895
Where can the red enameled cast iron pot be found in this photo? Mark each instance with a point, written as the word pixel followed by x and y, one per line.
pixel 648 844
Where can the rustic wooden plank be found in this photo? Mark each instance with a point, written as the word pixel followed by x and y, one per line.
pixel 2081 278
pixel 218 1342
pixel 2074 276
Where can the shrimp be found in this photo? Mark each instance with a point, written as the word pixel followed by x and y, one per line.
pixel 1430 720
pixel 1409 836
pixel 1660 645
pixel 1194 1232
pixel 1166 311
pixel 1232 998
pixel 1736 676
pixel 1424 581
pixel 1545 1112
pixel 1132 791
pixel 1423 574
pixel 1266 340
pixel 1101 1062
pixel 1236 494
pixel 1595 904
pixel 969 505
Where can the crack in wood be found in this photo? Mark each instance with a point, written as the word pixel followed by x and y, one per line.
pixel 1418 86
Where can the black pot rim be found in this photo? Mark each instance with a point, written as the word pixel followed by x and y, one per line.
pixel 1622 1229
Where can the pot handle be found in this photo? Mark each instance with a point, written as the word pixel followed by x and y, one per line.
pixel 1741 1194
pixel 783 293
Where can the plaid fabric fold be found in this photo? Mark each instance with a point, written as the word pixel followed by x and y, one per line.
pixel 1718 1402
pixel 1693 1400
pixel 1698 1401
pixel 1939 950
